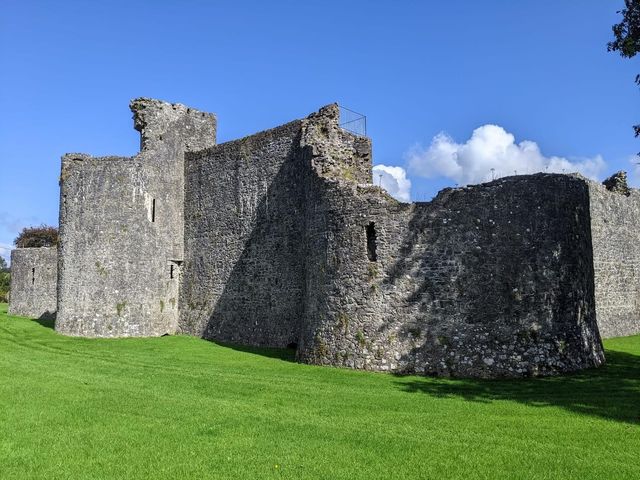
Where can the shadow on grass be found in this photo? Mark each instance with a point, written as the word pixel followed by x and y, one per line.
pixel 286 354
pixel 47 320
pixel 611 392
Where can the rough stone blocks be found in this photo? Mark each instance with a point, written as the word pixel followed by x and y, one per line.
pixel 34 278
pixel 281 239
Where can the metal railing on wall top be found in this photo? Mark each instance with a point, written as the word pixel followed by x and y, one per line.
pixel 352 121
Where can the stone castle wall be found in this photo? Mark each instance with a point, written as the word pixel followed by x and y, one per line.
pixel 280 239
pixel 247 253
pixel 243 280
pixel 122 228
pixel 615 221
pixel 490 280
pixel 34 278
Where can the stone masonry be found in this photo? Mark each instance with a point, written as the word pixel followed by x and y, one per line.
pixel 34 278
pixel 121 228
pixel 280 239
pixel 615 216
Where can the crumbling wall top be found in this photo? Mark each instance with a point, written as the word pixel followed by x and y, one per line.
pixel 155 120
pixel 618 183
pixel 336 154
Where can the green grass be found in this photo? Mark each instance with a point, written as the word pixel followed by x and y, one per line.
pixel 179 407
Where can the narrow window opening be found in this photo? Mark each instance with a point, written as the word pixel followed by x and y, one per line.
pixel 174 269
pixel 371 242
pixel 33 276
pixel 153 210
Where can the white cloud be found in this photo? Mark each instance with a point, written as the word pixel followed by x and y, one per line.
pixel 394 180
pixel 491 147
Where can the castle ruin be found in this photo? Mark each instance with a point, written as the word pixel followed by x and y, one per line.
pixel 280 239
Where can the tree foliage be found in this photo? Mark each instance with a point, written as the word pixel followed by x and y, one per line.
pixel 42 236
pixel 627 37
pixel 5 281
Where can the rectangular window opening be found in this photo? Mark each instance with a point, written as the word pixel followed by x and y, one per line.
pixel 153 210
pixel 371 242
pixel 33 276
pixel 174 269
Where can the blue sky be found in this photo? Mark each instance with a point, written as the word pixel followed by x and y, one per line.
pixel 538 70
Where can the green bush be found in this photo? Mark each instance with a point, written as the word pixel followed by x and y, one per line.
pixel 42 236
pixel 5 280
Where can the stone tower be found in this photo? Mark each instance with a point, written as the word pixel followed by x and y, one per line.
pixel 122 227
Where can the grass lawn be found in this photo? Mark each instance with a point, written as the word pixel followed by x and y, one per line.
pixel 180 407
